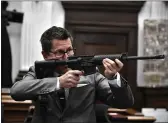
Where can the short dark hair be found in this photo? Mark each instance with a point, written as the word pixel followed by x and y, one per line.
pixel 53 33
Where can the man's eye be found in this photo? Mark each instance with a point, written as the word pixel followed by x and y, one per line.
pixel 68 50
pixel 60 51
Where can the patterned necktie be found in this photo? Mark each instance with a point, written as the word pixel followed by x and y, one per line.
pixel 61 95
pixel 66 93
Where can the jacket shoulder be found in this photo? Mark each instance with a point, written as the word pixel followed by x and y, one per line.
pixel 32 69
pixel 31 72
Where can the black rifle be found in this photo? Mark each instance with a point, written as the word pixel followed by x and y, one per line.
pixel 86 63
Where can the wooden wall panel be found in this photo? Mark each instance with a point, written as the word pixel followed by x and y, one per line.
pixel 106 28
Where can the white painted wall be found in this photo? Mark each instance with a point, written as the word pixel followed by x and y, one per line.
pixel 14 31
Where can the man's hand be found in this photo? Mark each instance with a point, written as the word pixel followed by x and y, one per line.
pixel 112 67
pixel 70 79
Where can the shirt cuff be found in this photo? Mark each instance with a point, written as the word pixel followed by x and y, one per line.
pixel 58 84
pixel 118 79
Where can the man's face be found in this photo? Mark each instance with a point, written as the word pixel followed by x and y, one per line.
pixel 60 50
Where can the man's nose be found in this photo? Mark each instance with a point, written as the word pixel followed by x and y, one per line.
pixel 65 56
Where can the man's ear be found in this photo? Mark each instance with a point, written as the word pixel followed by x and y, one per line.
pixel 44 54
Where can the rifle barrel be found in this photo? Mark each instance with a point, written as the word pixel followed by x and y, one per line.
pixel 144 57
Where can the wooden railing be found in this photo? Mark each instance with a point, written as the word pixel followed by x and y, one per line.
pixel 18 111
pixel 13 111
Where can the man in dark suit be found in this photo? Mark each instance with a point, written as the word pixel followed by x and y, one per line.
pixel 80 92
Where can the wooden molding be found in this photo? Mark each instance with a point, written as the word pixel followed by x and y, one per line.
pixel 115 6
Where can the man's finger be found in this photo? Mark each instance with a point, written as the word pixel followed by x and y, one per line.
pixel 111 64
pixel 73 81
pixel 74 77
pixel 76 72
pixel 119 63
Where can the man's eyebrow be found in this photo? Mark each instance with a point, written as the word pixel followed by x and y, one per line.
pixel 70 48
pixel 62 49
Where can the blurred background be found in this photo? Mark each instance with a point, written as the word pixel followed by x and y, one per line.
pixel 111 27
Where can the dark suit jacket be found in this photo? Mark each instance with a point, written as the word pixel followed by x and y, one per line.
pixel 80 105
